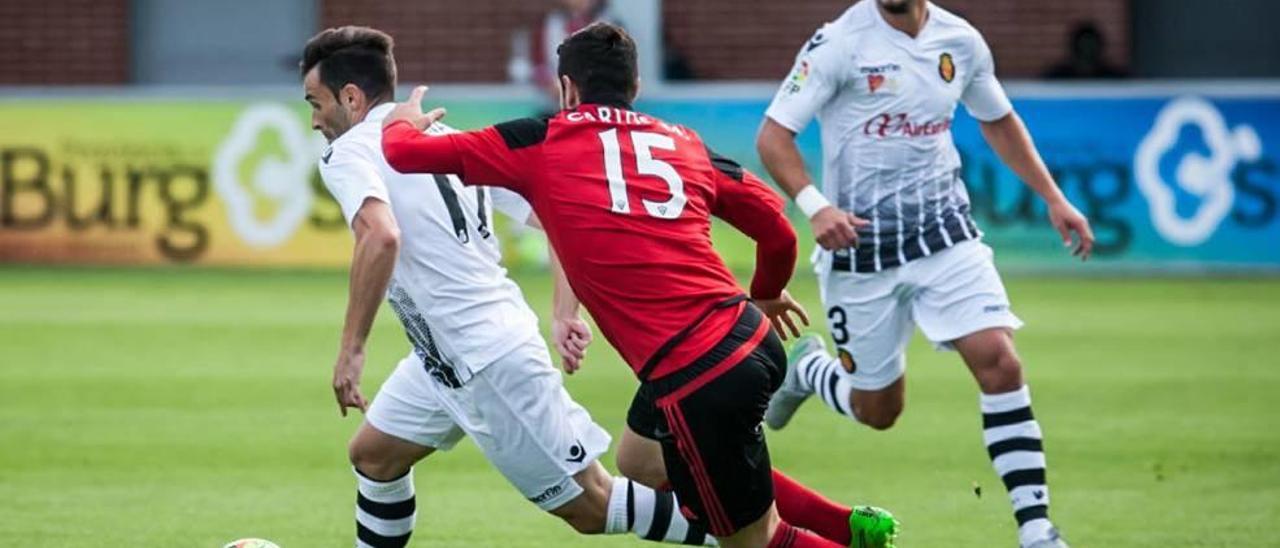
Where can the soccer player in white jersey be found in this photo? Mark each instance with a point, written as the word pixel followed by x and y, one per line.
pixel 478 365
pixel 899 247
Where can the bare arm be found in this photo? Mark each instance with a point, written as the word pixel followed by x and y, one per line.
pixel 1008 136
pixel 374 259
pixel 570 334
pixel 832 228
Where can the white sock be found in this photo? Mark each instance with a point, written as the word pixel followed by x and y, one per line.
pixel 821 374
pixel 1013 440
pixel 385 511
pixel 651 515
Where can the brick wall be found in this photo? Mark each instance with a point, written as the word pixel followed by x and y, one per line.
pixel 64 41
pixel 758 39
pixel 443 41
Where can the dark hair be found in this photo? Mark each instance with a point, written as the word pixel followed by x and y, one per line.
pixel 353 55
pixel 601 60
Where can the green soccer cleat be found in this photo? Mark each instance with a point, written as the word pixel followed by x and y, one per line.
pixel 786 401
pixel 872 527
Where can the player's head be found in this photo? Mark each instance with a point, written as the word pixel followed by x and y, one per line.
pixel 897 7
pixel 598 66
pixel 345 72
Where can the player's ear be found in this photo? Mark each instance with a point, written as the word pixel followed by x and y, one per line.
pixel 351 97
pixel 635 93
pixel 568 93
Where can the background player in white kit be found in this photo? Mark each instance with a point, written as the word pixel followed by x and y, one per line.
pixel 478 366
pixel 899 247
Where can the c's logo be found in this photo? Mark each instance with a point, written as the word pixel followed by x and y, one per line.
pixel 846 361
pixel 281 180
pixel 1206 178
pixel 946 68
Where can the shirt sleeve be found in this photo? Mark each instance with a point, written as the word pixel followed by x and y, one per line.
pixel 747 203
pixel 511 204
pixel 493 156
pixel 350 175
pixel 983 96
pixel 813 81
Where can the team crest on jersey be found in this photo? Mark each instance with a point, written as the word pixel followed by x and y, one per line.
pixel 946 68
pixel 846 361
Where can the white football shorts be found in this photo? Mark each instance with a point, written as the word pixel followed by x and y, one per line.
pixel 517 411
pixel 950 294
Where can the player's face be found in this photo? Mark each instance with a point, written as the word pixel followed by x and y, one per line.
pixel 328 116
pixel 897 6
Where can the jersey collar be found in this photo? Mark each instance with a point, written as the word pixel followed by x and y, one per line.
pixel 379 112
pixel 899 36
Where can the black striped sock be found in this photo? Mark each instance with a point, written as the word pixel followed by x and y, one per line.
pixel 822 374
pixel 651 515
pixel 1014 443
pixel 385 511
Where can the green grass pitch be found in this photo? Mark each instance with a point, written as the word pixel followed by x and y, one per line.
pixel 191 407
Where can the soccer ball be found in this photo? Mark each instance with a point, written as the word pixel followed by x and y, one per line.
pixel 251 543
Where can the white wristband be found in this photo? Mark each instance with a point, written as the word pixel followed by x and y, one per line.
pixel 811 201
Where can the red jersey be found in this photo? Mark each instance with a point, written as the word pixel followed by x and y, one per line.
pixel 626 201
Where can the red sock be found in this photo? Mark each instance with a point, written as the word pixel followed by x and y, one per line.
pixel 789 536
pixel 806 508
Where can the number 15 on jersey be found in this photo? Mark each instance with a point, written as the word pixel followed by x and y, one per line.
pixel 642 143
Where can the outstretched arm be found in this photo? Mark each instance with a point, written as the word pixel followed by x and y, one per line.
pixel 1008 136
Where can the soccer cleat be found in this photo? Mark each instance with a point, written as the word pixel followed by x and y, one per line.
pixel 872 527
pixel 1053 540
pixel 785 402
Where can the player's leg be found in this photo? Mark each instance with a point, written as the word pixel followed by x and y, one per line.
pixel 404 425
pixel 870 322
pixel 714 447
pixel 547 446
pixel 641 459
pixel 964 306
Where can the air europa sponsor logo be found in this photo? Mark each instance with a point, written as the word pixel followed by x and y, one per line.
pixel 900 125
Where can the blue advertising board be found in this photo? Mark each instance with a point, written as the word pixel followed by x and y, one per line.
pixel 1182 181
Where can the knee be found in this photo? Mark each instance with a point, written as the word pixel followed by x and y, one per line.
pixel 881 418
pixel 1002 374
pixel 373 465
pixel 588 512
pixel 645 471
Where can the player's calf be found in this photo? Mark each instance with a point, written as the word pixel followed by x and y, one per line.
pixel 1012 435
pixel 879 409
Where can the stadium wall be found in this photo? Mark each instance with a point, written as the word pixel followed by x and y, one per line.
pixel 1174 176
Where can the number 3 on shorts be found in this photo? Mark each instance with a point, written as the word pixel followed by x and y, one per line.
pixel 836 319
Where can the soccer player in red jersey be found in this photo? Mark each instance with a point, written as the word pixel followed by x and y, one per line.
pixel 626 201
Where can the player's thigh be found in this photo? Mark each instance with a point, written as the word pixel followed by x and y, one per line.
pixel 715 451
pixel 528 426
pixel 870 321
pixel 406 421
pixel 960 293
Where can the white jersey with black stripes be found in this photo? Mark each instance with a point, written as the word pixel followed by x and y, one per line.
pixel 885 103
pixel 459 308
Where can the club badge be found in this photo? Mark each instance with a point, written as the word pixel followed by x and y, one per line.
pixel 946 68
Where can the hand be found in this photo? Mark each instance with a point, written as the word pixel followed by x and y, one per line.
pixel 411 111
pixel 779 312
pixel 346 381
pixel 571 336
pixel 835 229
pixel 1066 220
